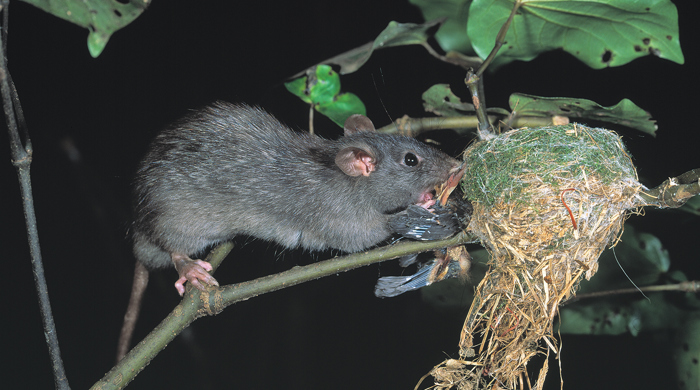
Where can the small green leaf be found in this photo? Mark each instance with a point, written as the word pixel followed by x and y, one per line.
pixel 322 90
pixel 340 108
pixel 101 17
pixel 325 85
pixel 321 86
pixel 452 35
pixel 624 113
pixel 600 33
pixel 298 88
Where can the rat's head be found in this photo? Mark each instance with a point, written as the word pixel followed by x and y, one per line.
pixel 398 171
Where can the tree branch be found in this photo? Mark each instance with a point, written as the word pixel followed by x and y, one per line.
pixel 21 152
pixel 197 303
pixel 688 286
pixel 416 126
pixel 674 191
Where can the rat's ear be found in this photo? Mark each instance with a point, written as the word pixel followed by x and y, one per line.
pixel 355 161
pixel 357 123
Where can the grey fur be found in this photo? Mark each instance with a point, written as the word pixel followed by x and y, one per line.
pixel 230 170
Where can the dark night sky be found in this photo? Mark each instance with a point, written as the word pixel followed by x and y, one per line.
pixel 330 333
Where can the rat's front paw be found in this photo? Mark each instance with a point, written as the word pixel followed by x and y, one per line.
pixel 193 271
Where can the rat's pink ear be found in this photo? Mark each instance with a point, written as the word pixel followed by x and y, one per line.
pixel 355 161
pixel 357 123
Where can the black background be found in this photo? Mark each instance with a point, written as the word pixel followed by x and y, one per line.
pixel 330 333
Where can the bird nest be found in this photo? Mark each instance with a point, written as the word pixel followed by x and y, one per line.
pixel 547 201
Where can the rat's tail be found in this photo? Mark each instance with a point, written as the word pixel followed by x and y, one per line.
pixel 132 311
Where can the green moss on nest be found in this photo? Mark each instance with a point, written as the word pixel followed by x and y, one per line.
pixel 504 167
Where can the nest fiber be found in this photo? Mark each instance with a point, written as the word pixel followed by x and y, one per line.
pixel 547 201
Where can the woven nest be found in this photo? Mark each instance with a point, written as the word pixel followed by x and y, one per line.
pixel 547 202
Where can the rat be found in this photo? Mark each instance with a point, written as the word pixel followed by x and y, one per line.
pixel 232 169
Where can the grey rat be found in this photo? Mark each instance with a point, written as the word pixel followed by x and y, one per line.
pixel 230 170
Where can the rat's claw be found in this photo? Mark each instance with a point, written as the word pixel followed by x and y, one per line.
pixel 180 285
pixel 193 271
pixel 205 264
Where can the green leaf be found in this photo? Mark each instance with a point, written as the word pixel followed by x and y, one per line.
pixel 320 86
pixel 600 33
pixel 101 17
pixel 692 206
pixel 642 257
pixel 646 262
pixel 602 318
pixel 325 85
pixel 402 34
pixel 440 100
pixel 606 317
pixel 452 35
pixel 395 34
pixel 340 108
pixel 322 89
pixel 687 352
pixel 624 113
pixel 298 88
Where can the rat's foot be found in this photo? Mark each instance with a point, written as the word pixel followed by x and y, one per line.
pixel 193 271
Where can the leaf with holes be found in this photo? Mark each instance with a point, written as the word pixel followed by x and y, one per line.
pixel 603 317
pixel 600 33
pixel 440 100
pixel 624 113
pixel 646 262
pixel 101 17
pixel 320 86
pixel 642 257
pixel 687 352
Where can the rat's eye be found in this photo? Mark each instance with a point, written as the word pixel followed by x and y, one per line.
pixel 410 159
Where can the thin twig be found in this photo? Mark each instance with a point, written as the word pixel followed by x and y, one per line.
pixel 21 152
pixel 688 286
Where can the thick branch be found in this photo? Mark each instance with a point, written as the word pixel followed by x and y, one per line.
pixel 673 192
pixel 200 303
